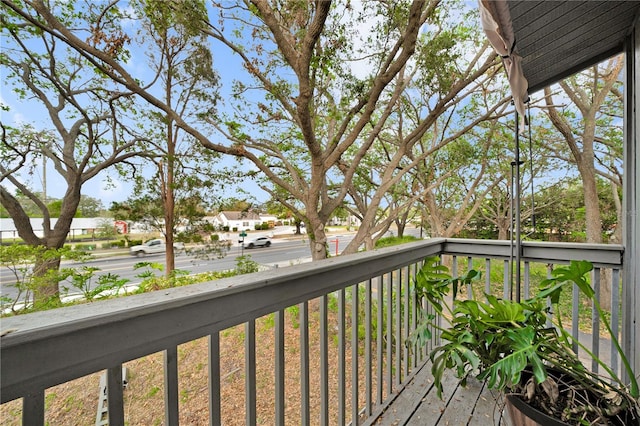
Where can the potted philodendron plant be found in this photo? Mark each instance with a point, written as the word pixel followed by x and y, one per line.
pixel 511 346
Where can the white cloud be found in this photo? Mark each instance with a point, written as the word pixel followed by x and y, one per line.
pixel 107 190
pixel 18 118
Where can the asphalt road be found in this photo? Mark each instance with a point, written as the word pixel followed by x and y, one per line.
pixel 282 253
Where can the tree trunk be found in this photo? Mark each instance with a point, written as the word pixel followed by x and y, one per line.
pixel 591 204
pixel 503 233
pixel 317 240
pixel 46 289
pixel 585 158
pixel 616 237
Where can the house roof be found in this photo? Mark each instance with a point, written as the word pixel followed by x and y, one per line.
pixel 559 38
pixel 240 215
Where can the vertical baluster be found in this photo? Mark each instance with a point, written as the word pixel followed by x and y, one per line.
pixel 398 331
pixel 549 323
pixel 170 386
pixel 405 331
pixel 527 280
pixel 506 287
pixel 615 316
pixel 33 409
pixel 250 372
pixel 354 353
pixel 595 321
pixel 436 336
pixel 115 397
pixel 389 332
pixel 414 313
pixel 324 363
pixel 341 358
pixel 215 417
pixel 469 287
pixel 367 348
pixel 279 366
pixel 304 363
pixel 487 276
pixel 575 317
pixel 454 267
pixel 379 337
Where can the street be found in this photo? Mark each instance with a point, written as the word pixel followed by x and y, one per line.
pixel 281 253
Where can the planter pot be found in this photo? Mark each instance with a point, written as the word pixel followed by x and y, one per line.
pixel 523 414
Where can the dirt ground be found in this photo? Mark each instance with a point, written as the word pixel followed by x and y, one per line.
pixel 76 402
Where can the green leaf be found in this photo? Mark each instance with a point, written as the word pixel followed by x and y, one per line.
pixel 576 273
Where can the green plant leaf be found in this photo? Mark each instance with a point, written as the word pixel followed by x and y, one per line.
pixel 576 273
pixel 508 370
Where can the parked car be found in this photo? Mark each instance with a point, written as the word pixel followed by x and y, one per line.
pixel 156 245
pixel 257 242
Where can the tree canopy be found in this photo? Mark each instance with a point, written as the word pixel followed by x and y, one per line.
pixel 380 109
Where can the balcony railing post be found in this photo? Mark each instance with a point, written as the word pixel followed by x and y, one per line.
pixel 354 354
pixel 389 306
pixel 170 387
pixel 398 328
pixel 595 320
pixel 250 372
pixel 413 301
pixel 631 204
pixel 279 366
pixel 33 408
pixel 324 363
pixel 487 276
pixel 115 398
pixel 215 417
pixel 341 357
pixel 379 333
pixel 367 349
pixel 615 316
pixel 405 331
pixel 304 364
pixel 575 315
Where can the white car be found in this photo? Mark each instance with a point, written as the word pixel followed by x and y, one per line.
pixel 257 242
pixel 154 246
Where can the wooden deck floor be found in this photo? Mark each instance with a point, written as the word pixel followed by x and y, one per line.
pixel 418 404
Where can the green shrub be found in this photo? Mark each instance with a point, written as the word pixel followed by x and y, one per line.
pixel 244 265
pixel 394 241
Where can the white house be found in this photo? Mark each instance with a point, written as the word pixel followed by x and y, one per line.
pixel 79 226
pixel 240 220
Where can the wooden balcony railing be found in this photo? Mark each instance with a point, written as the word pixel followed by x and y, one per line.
pixel 359 308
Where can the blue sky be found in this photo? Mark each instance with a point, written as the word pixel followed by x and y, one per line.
pixel 108 186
